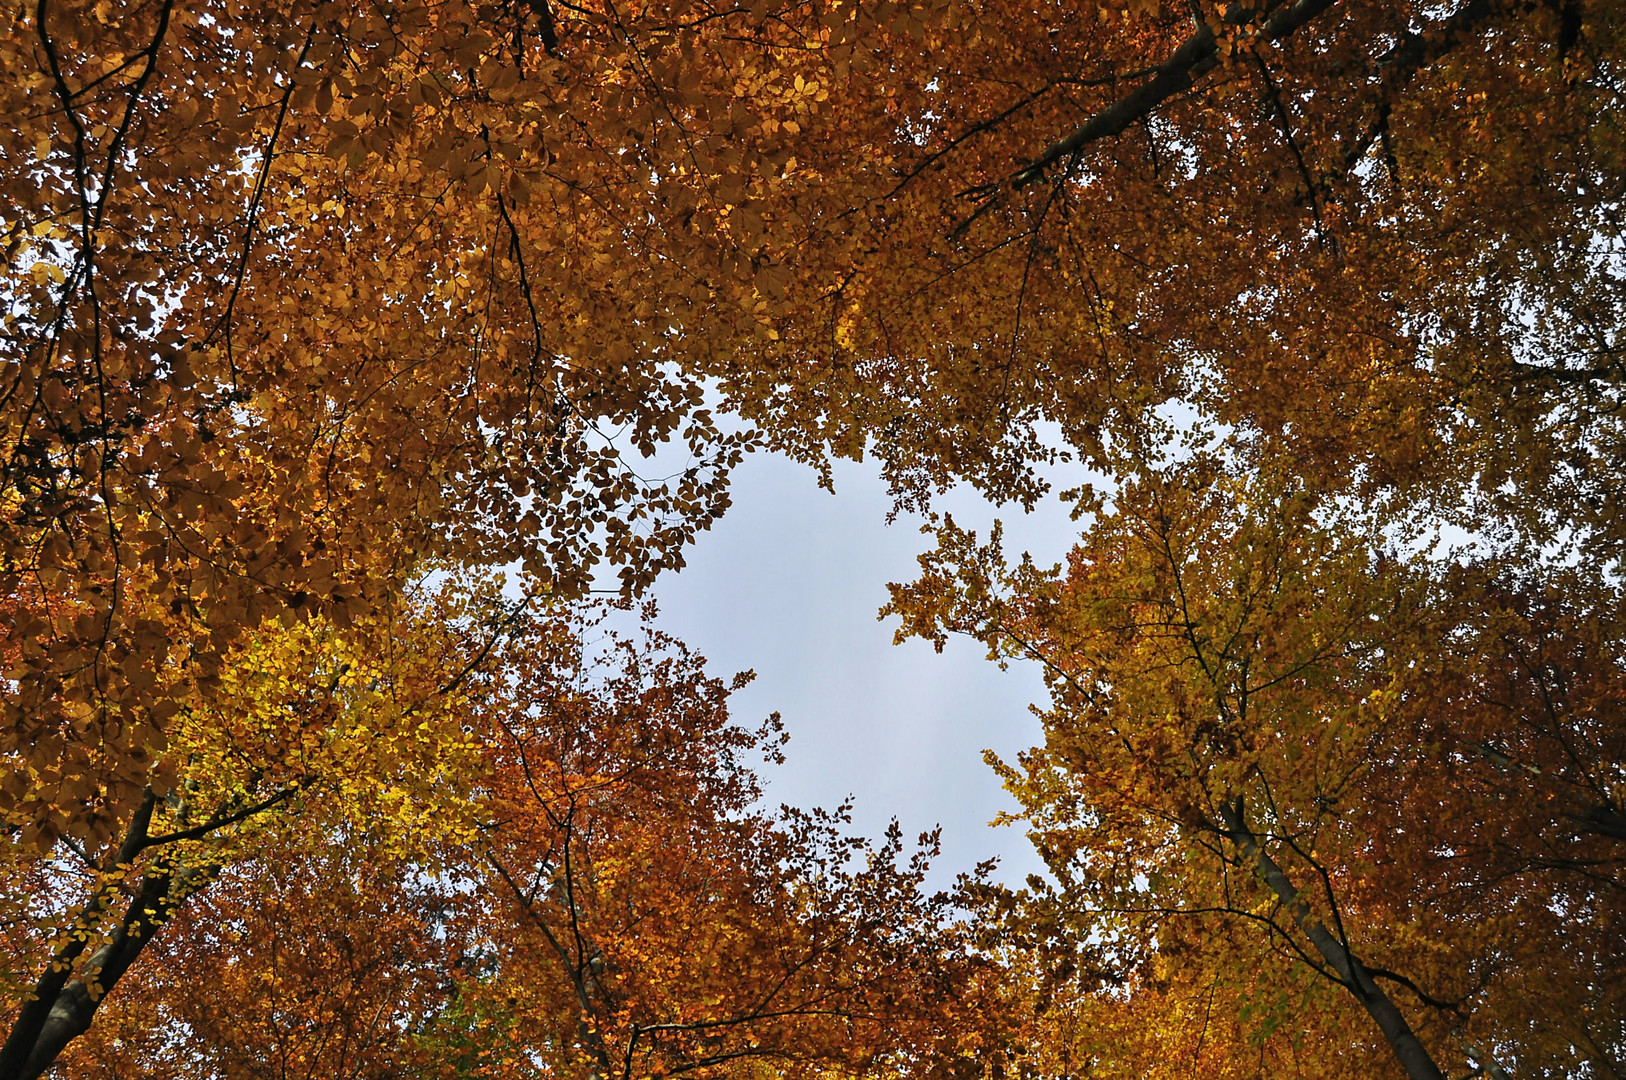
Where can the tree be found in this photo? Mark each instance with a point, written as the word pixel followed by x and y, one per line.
pixel 1342 264
pixel 1363 239
pixel 345 728
pixel 603 897
pixel 262 357
pixel 304 299
pixel 1275 742
pixel 692 931
pixel 321 955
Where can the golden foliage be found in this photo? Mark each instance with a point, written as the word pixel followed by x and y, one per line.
pixel 307 300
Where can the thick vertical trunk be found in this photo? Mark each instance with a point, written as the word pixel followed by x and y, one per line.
pixel 63 1004
pixel 74 1007
pixel 1408 1048
pixel 35 1014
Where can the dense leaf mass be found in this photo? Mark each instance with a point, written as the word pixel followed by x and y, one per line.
pixel 1272 757
pixel 316 312
pixel 516 845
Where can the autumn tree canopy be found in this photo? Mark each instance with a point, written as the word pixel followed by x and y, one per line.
pixel 1289 774
pixel 1331 296
pixel 505 844
pixel 310 305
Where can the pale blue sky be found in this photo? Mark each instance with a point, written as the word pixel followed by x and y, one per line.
pixel 788 584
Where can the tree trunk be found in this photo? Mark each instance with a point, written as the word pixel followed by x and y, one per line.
pixel 74 1007
pixel 63 1005
pixel 1413 1056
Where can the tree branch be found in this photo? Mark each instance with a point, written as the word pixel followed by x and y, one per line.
pixel 32 1017
pixel 1196 57
pixel 61 1006
pixel 221 820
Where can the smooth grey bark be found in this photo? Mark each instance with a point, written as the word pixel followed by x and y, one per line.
pixel 1486 1062
pixel 62 1005
pixel 1409 1050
